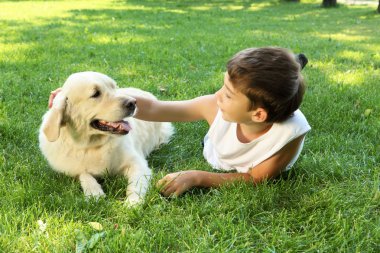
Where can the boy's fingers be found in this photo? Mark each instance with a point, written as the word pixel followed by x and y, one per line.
pixel 164 186
pixel 53 94
pixel 168 187
pixel 162 182
pixel 166 180
pixel 168 192
pixel 51 98
pixel 172 192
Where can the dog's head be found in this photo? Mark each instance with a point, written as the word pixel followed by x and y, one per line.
pixel 89 104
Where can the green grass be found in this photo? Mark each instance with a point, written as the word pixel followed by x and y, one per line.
pixel 178 50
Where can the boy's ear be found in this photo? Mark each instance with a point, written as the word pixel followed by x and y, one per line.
pixel 259 115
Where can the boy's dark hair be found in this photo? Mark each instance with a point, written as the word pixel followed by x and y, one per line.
pixel 271 78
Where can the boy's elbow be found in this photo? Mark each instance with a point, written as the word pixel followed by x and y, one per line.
pixel 250 178
pixel 256 177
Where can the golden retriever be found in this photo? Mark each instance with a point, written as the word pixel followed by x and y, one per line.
pixel 90 131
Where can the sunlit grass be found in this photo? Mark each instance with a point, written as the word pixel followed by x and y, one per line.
pixel 32 10
pixel 345 37
pixel 352 55
pixel 349 77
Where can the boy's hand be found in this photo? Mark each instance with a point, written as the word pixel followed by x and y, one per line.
pixel 53 94
pixel 174 184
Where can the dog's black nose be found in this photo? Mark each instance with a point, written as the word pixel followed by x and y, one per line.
pixel 130 105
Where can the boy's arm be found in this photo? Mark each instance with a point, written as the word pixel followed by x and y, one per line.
pixel 199 108
pixel 273 166
pixel 177 183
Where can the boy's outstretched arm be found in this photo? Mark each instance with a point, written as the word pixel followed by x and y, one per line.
pixel 175 184
pixel 200 108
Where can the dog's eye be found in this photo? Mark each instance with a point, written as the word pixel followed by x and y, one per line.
pixel 96 94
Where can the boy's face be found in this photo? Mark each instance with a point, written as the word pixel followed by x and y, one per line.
pixel 233 104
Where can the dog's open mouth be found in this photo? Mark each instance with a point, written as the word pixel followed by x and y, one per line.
pixel 118 127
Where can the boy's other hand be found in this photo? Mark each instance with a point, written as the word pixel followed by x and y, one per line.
pixel 174 184
pixel 53 94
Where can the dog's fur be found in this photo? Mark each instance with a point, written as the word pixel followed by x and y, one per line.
pixel 73 146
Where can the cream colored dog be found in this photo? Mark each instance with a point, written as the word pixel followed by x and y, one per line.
pixel 85 134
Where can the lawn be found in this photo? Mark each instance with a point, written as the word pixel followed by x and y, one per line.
pixel 178 50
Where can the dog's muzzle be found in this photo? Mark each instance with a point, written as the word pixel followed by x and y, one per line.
pixel 121 127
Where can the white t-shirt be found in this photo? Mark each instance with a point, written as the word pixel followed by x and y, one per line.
pixel 223 150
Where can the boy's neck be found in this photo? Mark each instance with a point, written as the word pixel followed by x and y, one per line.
pixel 248 132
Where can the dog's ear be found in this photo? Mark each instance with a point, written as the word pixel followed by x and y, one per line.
pixel 53 119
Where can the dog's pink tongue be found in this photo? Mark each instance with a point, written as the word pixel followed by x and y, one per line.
pixel 120 127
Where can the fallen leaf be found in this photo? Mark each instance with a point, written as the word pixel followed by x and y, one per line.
pixel 367 112
pixel 96 225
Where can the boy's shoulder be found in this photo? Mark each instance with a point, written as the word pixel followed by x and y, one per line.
pixel 296 122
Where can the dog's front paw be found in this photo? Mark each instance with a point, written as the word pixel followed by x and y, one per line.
pixel 90 186
pixel 133 200
pixel 94 193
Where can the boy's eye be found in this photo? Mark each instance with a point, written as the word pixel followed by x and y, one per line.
pixel 96 94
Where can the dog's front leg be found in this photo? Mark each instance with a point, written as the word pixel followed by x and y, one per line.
pixel 90 186
pixel 138 175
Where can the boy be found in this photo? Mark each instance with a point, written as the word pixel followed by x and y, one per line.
pixel 255 125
